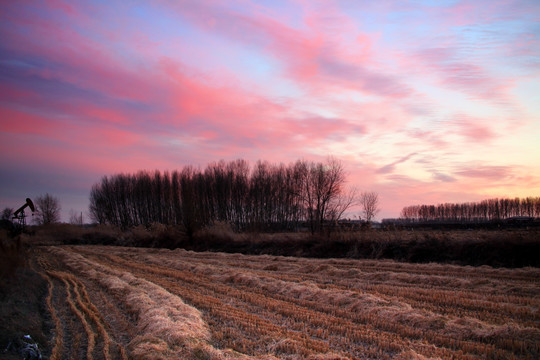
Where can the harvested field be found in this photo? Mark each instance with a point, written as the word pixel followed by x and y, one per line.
pixel 134 303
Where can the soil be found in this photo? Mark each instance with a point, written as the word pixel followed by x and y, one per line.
pixel 22 311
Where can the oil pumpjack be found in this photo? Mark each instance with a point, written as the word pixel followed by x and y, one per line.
pixel 20 216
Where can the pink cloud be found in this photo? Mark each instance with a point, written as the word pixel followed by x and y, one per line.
pixel 474 129
pixel 86 151
pixel 198 106
pixel 69 57
pixel 389 168
pixel 311 56
pixel 435 139
pixel 17 122
pixel 493 173
pixel 228 112
pixel 106 115
pixel 68 133
pixel 238 116
pixel 15 94
pixel 318 128
pixel 443 177
pixel 464 13
pixel 454 71
pixel 63 6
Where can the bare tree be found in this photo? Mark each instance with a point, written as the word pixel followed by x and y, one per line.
pixel 343 202
pixel 370 205
pixel 6 213
pixel 321 185
pixel 340 204
pixel 75 218
pixel 194 216
pixel 47 210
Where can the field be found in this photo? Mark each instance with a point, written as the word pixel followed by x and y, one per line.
pixel 105 302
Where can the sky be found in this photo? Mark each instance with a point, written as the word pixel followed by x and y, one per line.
pixel 424 102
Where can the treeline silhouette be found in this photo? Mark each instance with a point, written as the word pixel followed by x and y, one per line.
pixel 486 210
pixel 265 197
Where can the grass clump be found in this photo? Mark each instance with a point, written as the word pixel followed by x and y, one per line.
pixel 13 254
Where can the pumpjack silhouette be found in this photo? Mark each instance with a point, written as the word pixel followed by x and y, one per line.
pixel 19 214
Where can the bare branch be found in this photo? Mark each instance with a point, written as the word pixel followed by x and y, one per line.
pixel 370 205
pixel 47 210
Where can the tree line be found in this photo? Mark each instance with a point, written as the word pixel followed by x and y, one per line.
pixel 263 197
pixel 486 210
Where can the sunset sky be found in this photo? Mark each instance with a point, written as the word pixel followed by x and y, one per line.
pixel 425 102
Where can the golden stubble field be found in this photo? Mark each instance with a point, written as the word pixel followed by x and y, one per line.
pixel 135 303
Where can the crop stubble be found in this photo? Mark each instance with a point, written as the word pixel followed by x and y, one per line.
pixel 111 302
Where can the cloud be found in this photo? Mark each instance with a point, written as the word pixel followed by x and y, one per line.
pixel 93 89
pixel 312 55
pixel 389 168
pixel 443 177
pixel 486 172
pixel 454 70
pixel 316 128
pixel 473 129
pixel 356 76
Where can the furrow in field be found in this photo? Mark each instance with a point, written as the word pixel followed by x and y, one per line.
pixel 104 339
pixel 448 290
pixel 218 304
pixel 303 308
pixel 296 311
pixel 69 342
pixel 168 327
pixel 58 332
pixel 444 272
pixel 75 308
pixel 492 282
pixel 458 327
pixel 455 301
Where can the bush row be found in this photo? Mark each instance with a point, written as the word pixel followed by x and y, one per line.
pixel 495 248
pixel 498 248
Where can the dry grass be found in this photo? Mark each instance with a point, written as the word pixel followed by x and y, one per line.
pixel 13 254
pixel 21 294
pixel 182 304
pixel 60 234
pixel 91 336
pixel 500 248
pixel 167 327
pixel 56 353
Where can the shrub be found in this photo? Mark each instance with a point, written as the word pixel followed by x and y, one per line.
pixel 13 254
pixel 219 236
